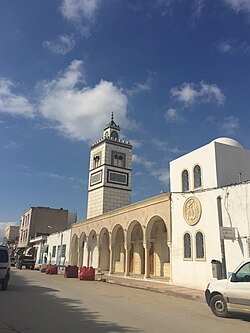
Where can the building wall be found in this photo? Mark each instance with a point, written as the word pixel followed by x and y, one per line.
pixel 41 220
pixel 115 198
pixel 24 231
pixel 235 213
pixel 43 217
pixel 58 239
pixel 205 157
pixel 95 202
pixel 103 194
pixel 72 217
pixel 119 224
pixel 12 232
pixel 232 164
pixel 223 162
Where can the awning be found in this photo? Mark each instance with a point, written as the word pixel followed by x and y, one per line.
pixel 44 248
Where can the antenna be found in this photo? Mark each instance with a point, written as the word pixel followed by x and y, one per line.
pixel 240 178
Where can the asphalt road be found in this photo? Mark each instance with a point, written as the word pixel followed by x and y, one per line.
pixel 36 303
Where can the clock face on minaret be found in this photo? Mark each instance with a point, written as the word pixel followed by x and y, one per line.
pixel 110 172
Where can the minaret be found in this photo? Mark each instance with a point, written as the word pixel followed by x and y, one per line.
pixel 109 172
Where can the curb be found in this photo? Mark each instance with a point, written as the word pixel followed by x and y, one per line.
pixel 173 293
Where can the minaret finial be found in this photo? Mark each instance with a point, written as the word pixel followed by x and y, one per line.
pixel 112 123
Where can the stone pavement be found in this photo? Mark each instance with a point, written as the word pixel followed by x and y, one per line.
pixel 156 285
pixel 159 285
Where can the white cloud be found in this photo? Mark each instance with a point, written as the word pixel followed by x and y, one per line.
pixel 234 46
pixel 164 146
pixel 10 145
pixel 225 47
pixel 42 174
pixel 211 92
pixel 239 5
pixel 62 45
pixel 140 87
pixel 190 93
pixel 162 175
pixel 79 113
pixel 74 10
pixel 135 143
pixel 53 175
pixel 81 13
pixel 185 94
pixel 13 103
pixel 141 160
pixel 173 116
pixel 197 7
pixel 230 125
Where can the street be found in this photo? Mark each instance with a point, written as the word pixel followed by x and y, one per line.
pixel 36 302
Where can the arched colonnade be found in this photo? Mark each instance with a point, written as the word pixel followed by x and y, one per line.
pixel 128 248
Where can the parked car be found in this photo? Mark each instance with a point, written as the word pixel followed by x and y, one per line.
pixel 232 294
pixel 4 267
pixel 24 260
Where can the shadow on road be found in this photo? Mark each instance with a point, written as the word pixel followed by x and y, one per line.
pixel 243 317
pixel 30 308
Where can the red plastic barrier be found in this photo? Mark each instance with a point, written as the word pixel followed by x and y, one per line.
pixel 52 270
pixel 87 273
pixel 48 269
pixel 82 272
pixel 71 272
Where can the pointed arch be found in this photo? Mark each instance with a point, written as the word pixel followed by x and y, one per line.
pixel 74 250
pixel 200 245
pixel 185 180
pixel 197 176
pixel 187 246
pixel 93 250
pixel 118 241
pixel 104 252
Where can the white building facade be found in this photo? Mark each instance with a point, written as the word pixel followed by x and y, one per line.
pixel 210 211
pixel 59 248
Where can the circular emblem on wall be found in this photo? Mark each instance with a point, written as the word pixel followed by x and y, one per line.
pixel 192 210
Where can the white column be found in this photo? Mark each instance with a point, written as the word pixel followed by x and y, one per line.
pixel 146 249
pixel 127 248
pixel 170 261
pixel 111 260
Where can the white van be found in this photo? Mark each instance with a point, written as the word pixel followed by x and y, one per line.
pixel 4 267
pixel 232 294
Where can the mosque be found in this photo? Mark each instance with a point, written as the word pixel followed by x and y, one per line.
pixel 198 232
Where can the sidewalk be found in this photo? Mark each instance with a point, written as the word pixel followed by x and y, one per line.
pixel 156 286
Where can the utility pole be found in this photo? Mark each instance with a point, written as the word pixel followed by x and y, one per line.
pixel 60 257
pixel 222 243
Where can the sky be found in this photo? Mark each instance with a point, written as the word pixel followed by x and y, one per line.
pixel 176 74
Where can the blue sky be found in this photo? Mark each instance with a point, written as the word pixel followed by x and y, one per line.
pixel 174 72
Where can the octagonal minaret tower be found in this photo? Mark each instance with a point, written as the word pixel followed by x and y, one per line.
pixel 109 172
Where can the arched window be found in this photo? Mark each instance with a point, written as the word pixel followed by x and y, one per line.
pixel 197 176
pixel 187 242
pixel 199 245
pixel 97 160
pixel 185 181
pixel 114 135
